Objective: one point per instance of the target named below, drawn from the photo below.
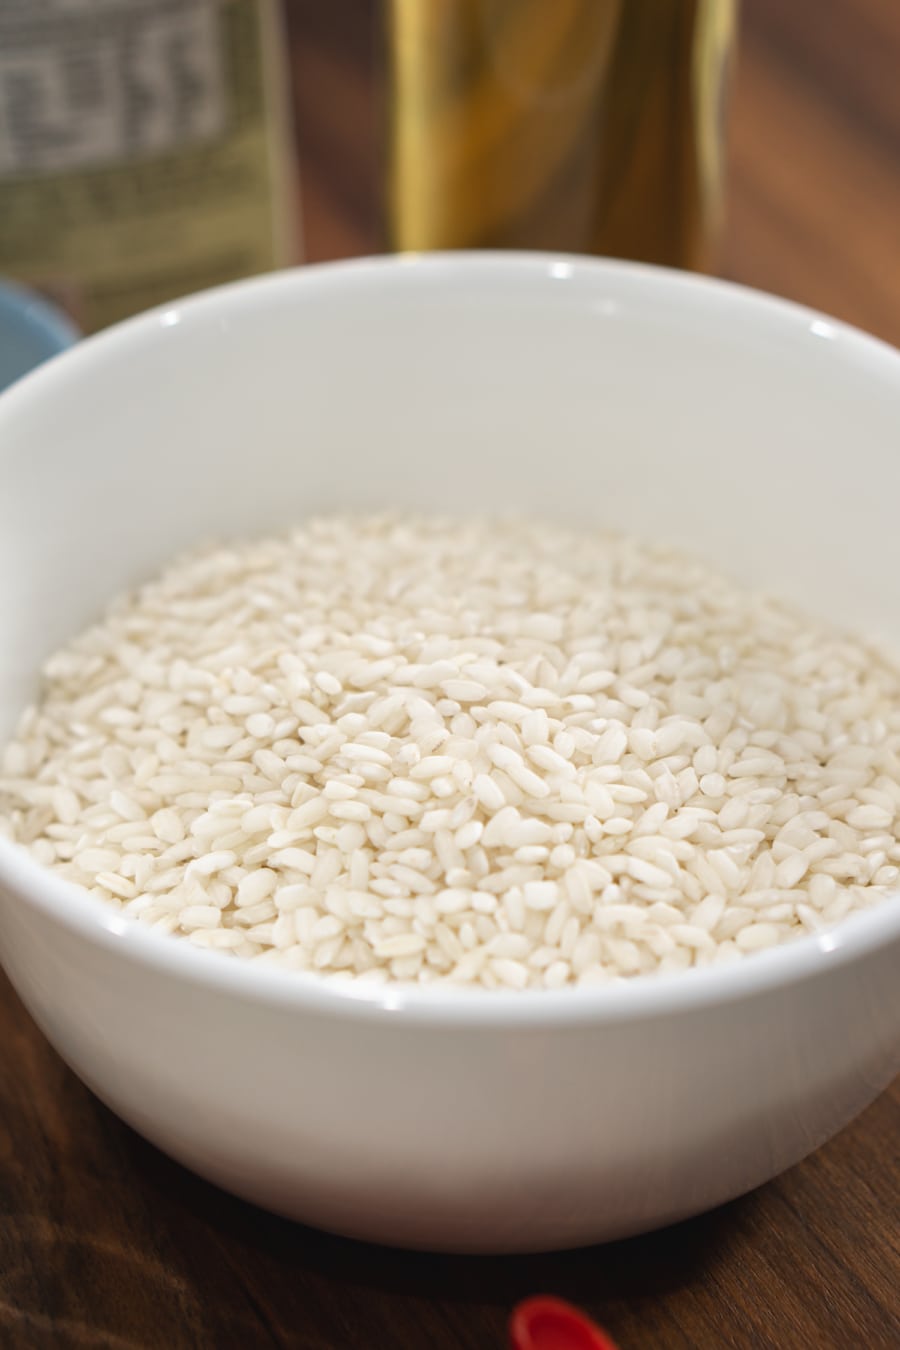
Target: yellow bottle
(582, 125)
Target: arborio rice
(488, 753)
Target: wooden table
(105, 1243)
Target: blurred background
(812, 164)
(149, 148)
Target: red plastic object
(551, 1324)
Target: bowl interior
(753, 432)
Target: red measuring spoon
(550, 1324)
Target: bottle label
(145, 149)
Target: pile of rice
(501, 754)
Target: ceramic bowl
(759, 434)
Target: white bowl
(756, 432)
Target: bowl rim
(626, 1000)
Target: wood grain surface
(105, 1243)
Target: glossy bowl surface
(755, 432)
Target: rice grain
(488, 753)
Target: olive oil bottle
(145, 149)
(584, 125)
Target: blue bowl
(31, 331)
